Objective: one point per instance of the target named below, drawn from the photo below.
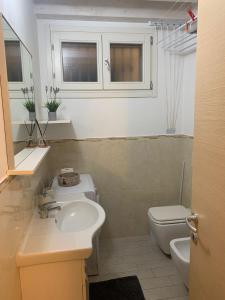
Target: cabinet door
(53, 281)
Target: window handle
(107, 63)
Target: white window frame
(116, 38)
(26, 62)
(47, 32)
(57, 39)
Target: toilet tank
(87, 187)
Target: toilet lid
(168, 213)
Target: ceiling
(122, 3)
(113, 10)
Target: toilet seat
(164, 215)
(167, 223)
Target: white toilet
(168, 223)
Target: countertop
(45, 243)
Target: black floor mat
(126, 288)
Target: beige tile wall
(17, 199)
(131, 175)
(187, 156)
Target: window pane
(79, 62)
(126, 62)
(13, 61)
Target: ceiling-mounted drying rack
(181, 40)
(177, 39)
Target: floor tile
(123, 267)
(144, 273)
(175, 279)
(165, 292)
(155, 282)
(178, 298)
(164, 270)
(140, 256)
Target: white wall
(101, 117)
(20, 15)
(111, 117)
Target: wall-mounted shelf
(31, 161)
(43, 122)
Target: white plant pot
(32, 116)
(52, 115)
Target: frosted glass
(126, 62)
(13, 61)
(79, 62)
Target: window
(126, 62)
(77, 60)
(13, 61)
(102, 61)
(19, 65)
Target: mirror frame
(5, 101)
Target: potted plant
(29, 103)
(52, 104)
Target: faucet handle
(46, 204)
(44, 209)
(48, 191)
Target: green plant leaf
(52, 105)
(29, 105)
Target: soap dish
(68, 179)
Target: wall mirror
(21, 93)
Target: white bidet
(180, 252)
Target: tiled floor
(140, 256)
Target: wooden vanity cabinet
(63, 280)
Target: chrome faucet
(46, 207)
(47, 192)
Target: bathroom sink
(68, 235)
(79, 215)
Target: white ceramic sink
(79, 215)
(68, 235)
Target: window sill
(43, 122)
(98, 94)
